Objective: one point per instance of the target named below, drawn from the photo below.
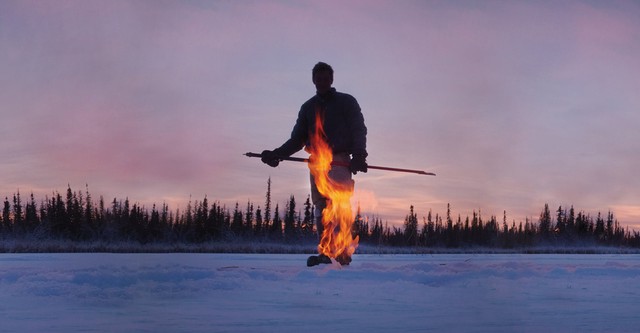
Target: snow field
(278, 293)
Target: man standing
(344, 129)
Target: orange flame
(337, 218)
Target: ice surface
(278, 293)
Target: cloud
(511, 104)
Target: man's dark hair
(322, 67)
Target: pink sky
(513, 104)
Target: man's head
(322, 77)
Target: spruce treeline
(564, 228)
(75, 216)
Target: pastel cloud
(512, 104)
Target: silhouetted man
(345, 132)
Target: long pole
(299, 159)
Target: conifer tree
(571, 219)
(545, 222)
(31, 215)
(610, 230)
(423, 234)
(88, 216)
(276, 226)
(289, 219)
(17, 211)
(248, 219)
(430, 235)
(236, 223)
(307, 221)
(377, 231)
(599, 228)
(411, 228)
(449, 231)
(6, 216)
(258, 225)
(561, 223)
(360, 226)
(267, 205)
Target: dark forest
(76, 217)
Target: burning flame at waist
(336, 186)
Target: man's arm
(291, 146)
(357, 129)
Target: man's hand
(270, 158)
(358, 163)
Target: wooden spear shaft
(306, 160)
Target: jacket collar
(327, 95)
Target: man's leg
(340, 174)
(343, 176)
(319, 202)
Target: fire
(337, 218)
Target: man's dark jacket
(343, 125)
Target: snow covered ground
(278, 293)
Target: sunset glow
(513, 104)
